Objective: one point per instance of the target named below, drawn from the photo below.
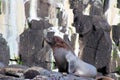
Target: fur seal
(67, 61)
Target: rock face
(94, 34)
(4, 52)
(95, 42)
(32, 49)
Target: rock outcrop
(94, 34)
(19, 72)
(32, 49)
(4, 52)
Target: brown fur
(59, 43)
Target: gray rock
(34, 71)
(41, 77)
(3, 77)
(27, 8)
(13, 71)
(39, 25)
(4, 51)
(95, 42)
(1, 65)
(32, 49)
(42, 8)
(72, 77)
(96, 8)
(83, 24)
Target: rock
(45, 10)
(3, 77)
(39, 25)
(116, 34)
(75, 43)
(31, 44)
(14, 70)
(40, 77)
(23, 67)
(2, 71)
(1, 65)
(105, 6)
(42, 8)
(104, 78)
(114, 76)
(72, 77)
(96, 8)
(59, 16)
(95, 42)
(27, 8)
(31, 74)
(56, 75)
(100, 22)
(67, 40)
(68, 77)
(34, 71)
(4, 51)
(81, 23)
(94, 34)
(32, 50)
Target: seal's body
(67, 61)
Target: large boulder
(32, 49)
(94, 33)
(4, 52)
(95, 42)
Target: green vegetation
(118, 69)
(116, 57)
(18, 60)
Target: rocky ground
(19, 72)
